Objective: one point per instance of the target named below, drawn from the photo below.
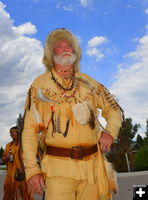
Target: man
(61, 115)
(14, 187)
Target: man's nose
(66, 49)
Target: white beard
(62, 60)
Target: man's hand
(105, 142)
(36, 184)
(6, 157)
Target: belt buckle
(77, 151)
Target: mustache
(64, 60)
(64, 53)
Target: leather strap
(77, 152)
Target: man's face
(62, 46)
(14, 135)
(64, 54)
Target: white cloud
(146, 10)
(64, 7)
(93, 47)
(67, 8)
(131, 86)
(95, 52)
(70, 6)
(20, 63)
(96, 41)
(79, 38)
(27, 28)
(85, 3)
(131, 6)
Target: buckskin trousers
(59, 188)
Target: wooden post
(127, 161)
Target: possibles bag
(19, 175)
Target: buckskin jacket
(12, 187)
(66, 118)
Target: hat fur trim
(55, 36)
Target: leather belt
(76, 152)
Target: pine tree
(139, 140)
(19, 122)
(146, 134)
(123, 145)
(141, 158)
(1, 152)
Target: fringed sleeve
(30, 137)
(111, 110)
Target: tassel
(41, 96)
(52, 120)
(36, 115)
(57, 125)
(112, 179)
(91, 120)
(81, 112)
(67, 127)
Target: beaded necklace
(61, 86)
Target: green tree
(123, 145)
(146, 134)
(141, 158)
(19, 122)
(139, 140)
(1, 152)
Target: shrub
(141, 159)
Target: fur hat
(14, 128)
(58, 35)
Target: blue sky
(119, 21)
(114, 41)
